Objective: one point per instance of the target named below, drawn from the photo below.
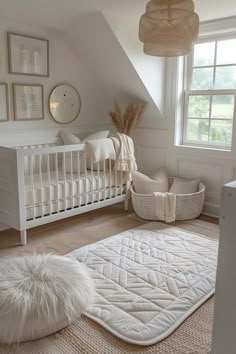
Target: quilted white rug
(149, 280)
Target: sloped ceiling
(99, 48)
(58, 14)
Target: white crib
(44, 183)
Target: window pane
(204, 54)
(222, 106)
(197, 129)
(225, 77)
(202, 79)
(226, 52)
(198, 106)
(221, 131)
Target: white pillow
(98, 135)
(69, 139)
(160, 174)
(145, 185)
(184, 186)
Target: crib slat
(92, 181)
(64, 178)
(104, 180)
(78, 175)
(31, 168)
(121, 182)
(49, 184)
(72, 179)
(98, 184)
(116, 183)
(41, 184)
(57, 180)
(86, 179)
(98, 178)
(110, 184)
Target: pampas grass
(125, 122)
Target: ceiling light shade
(168, 27)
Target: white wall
(122, 68)
(90, 57)
(106, 58)
(102, 57)
(156, 147)
(151, 134)
(150, 69)
(65, 67)
(215, 167)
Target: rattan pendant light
(168, 27)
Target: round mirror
(64, 104)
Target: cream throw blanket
(119, 148)
(124, 147)
(100, 150)
(165, 205)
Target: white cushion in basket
(161, 175)
(184, 186)
(40, 295)
(145, 185)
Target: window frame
(187, 92)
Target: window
(210, 95)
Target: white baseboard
(3, 227)
(210, 209)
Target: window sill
(208, 148)
(204, 153)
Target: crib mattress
(77, 191)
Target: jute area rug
(87, 337)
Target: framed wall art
(4, 103)
(28, 55)
(28, 102)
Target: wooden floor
(10, 238)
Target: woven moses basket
(188, 206)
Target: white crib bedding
(102, 185)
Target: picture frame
(28, 102)
(4, 102)
(28, 55)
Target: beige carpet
(86, 337)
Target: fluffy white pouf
(40, 295)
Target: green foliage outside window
(210, 115)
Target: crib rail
(35, 150)
(62, 179)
